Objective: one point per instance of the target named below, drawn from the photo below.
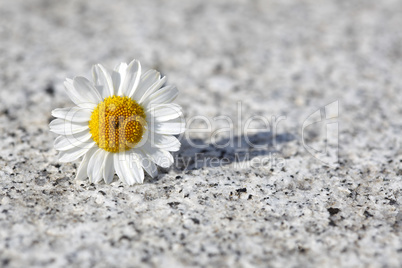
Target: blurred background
(272, 52)
(283, 58)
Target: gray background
(279, 58)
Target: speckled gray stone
(279, 58)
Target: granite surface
(224, 203)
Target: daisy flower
(123, 122)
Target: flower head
(123, 122)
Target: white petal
(147, 164)
(171, 127)
(129, 171)
(63, 127)
(137, 170)
(164, 95)
(152, 89)
(86, 91)
(146, 81)
(165, 112)
(102, 78)
(95, 166)
(82, 140)
(75, 114)
(108, 169)
(74, 153)
(117, 158)
(159, 156)
(166, 142)
(76, 96)
(118, 76)
(132, 79)
(121, 68)
(82, 169)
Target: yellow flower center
(117, 124)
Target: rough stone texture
(279, 58)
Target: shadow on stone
(196, 153)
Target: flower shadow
(197, 153)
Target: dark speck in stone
(174, 204)
(196, 221)
(302, 250)
(50, 90)
(367, 214)
(124, 237)
(5, 262)
(333, 211)
(392, 201)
